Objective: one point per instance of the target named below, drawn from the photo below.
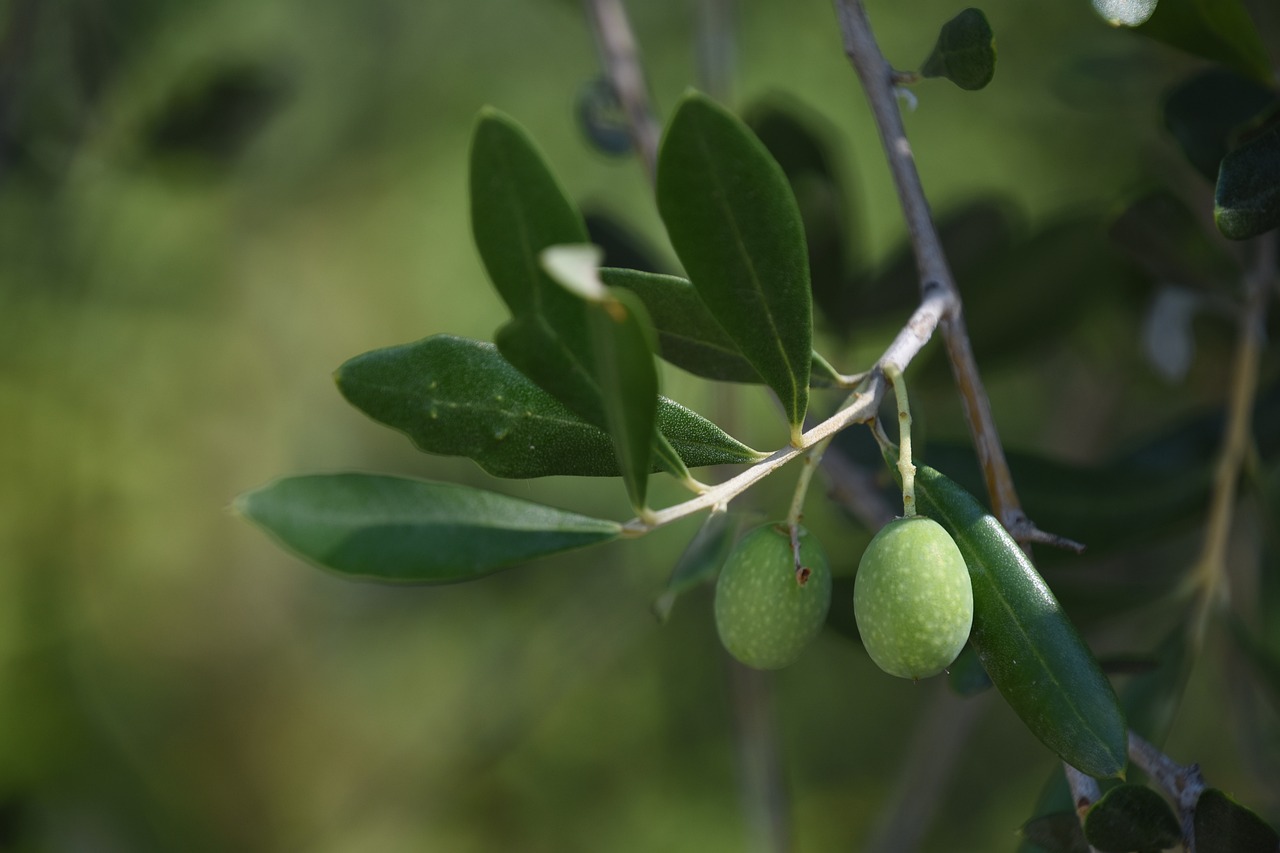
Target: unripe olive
(912, 598)
(766, 610)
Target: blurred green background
(205, 208)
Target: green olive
(912, 598)
(767, 610)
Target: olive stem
(905, 467)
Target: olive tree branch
(1208, 579)
(1183, 784)
(878, 81)
(620, 58)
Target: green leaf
(1246, 202)
(1218, 30)
(372, 527)
(1131, 817)
(459, 397)
(1224, 826)
(1056, 832)
(807, 147)
(735, 226)
(1150, 699)
(965, 676)
(688, 336)
(1025, 642)
(518, 208)
(1205, 112)
(700, 561)
(965, 52)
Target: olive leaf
(965, 52)
(373, 527)
(1132, 817)
(1246, 202)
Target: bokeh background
(205, 208)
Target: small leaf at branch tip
(576, 268)
(1125, 13)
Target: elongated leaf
(965, 52)
(1025, 642)
(1246, 202)
(621, 335)
(688, 336)
(1204, 112)
(700, 561)
(373, 527)
(1131, 817)
(734, 223)
(1055, 832)
(459, 397)
(1224, 826)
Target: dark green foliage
(1131, 817)
(965, 52)
(1218, 30)
(734, 223)
(392, 529)
(701, 559)
(1224, 826)
(1205, 112)
(460, 397)
(1025, 642)
(1247, 200)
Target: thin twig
(1209, 577)
(1085, 791)
(878, 81)
(1183, 784)
(861, 408)
(620, 58)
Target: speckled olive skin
(913, 599)
(764, 615)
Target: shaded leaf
(373, 527)
(1246, 202)
(688, 336)
(1218, 30)
(1264, 661)
(1224, 826)
(1150, 699)
(1025, 641)
(700, 561)
(1056, 832)
(459, 397)
(965, 52)
(1131, 817)
(623, 246)
(966, 676)
(734, 223)
(601, 118)
(804, 144)
(1166, 239)
(1205, 111)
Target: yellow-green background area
(169, 680)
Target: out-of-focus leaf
(601, 118)
(966, 676)
(688, 336)
(1164, 237)
(1264, 661)
(1150, 699)
(1246, 202)
(372, 527)
(1268, 604)
(965, 52)
(1205, 111)
(1056, 832)
(1224, 826)
(972, 235)
(803, 143)
(1026, 643)
(1131, 817)
(734, 223)
(1218, 30)
(459, 397)
(623, 247)
(1124, 13)
(1054, 826)
(701, 560)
